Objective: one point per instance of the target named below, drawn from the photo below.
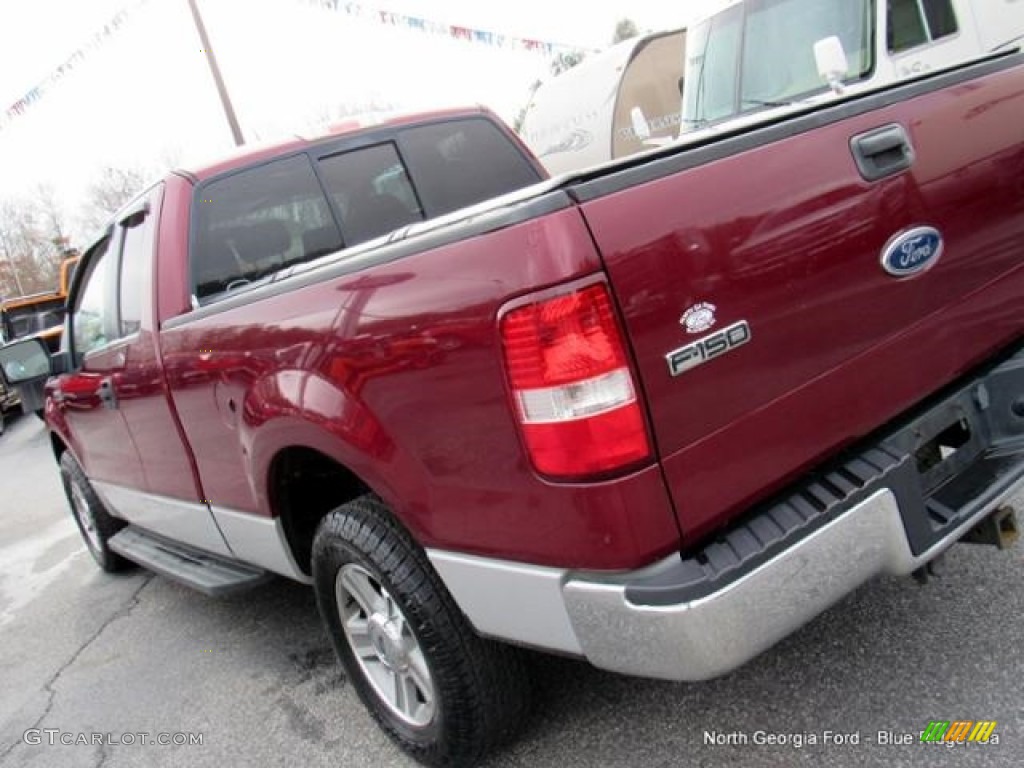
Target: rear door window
(254, 223)
(458, 163)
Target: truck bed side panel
(394, 370)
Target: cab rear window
(253, 223)
(257, 222)
(458, 163)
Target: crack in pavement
(48, 686)
(104, 755)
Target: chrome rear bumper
(715, 634)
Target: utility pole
(222, 91)
(8, 252)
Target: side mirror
(831, 61)
(25, 361)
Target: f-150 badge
(708, 348)
(913, 251)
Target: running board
(192, 567)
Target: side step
(194, 568)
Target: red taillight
(573, 390)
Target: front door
(85, 397)
(116, 403)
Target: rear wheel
(94, 522)
(443, 693)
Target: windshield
(760, 53)
(29, 321)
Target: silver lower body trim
(590, 615)
(510, 601)
(716, 634)
(259, 541)
(241, 536)
(186, 521)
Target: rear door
(767, 329)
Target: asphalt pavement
(113, 664)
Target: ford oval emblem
(912, 252)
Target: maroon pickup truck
(657, 415)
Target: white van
(614, 103)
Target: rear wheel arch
(303, 486)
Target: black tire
(480, 688)
(40, 414)
(94, 522)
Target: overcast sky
(144, 97)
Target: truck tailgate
(776, 227)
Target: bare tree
(624, 30)
(52, 215)
(10, 272)
(114, 187)
(31, 247)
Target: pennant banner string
(468, 34)
(355, 10)
(114, 25)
